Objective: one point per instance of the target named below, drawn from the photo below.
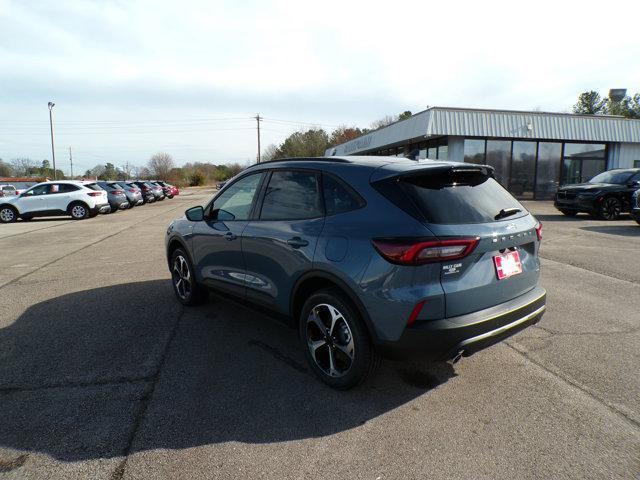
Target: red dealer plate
(508, 264)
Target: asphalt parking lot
(103, 375)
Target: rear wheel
(335, 340)
(8, 214)
(184, 283)
(78, 211)
(568, 213)
(610, 208)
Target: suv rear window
(93, 186)
(454, 196)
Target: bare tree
(383, 122)
(235, 168)
(269, 153)
(22, 166)
(160, 165)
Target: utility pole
(53, 150)
(71, 161)
(258, 120)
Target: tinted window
(63, 188)
(454, 197)
(235, 202)
(291, 195)
(93, 186)
(39, 190)
(338, 197)
(613, 176)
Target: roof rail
(304, 159)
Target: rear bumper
(104, 208)
(445, 339)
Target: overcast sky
(130, 78)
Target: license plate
(508, 264)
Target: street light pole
(53, 150)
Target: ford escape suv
(367, 257)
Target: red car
(169, 190)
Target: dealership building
(532, 152)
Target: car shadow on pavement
(110, 371)
(620, 230)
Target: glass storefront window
(499, 156)
(422, 153)
(584, 150)
(432, 153)
(523, 169)
(591, 168)
(583, 161)
(474, 151)
(547, 181)
(443, 152)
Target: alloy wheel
(330, 340)
(611, 208)
(182, 277)
(7, 215)
(78, 211)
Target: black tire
(568, 213)
(78, 211)
(8, 214)
(609, 209)
(329, 358)
(187, 291)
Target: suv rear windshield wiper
(506, 213)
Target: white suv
(77, 199)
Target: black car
(605, 196)
(146, 190)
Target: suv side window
(62, 188)
(292, 195)
(38, 190)
(339, 197)
(235, 202)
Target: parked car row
(79, 199)
(605, 196)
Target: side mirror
(195, 214)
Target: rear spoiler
(416, 169)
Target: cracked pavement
(103, 375)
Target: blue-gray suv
(367, 257)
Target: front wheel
(335, 340)
(610, 208)
(187, 291)
(8, 215)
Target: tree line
(160, 166)
(313, 142)
(591, 103)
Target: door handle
(297, 242)
(229, 236)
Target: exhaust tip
(456, 358)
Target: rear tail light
(145, 189)
(418, 252)
(539, 231)
(118, 192)
(132, 190)
(94, 194)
